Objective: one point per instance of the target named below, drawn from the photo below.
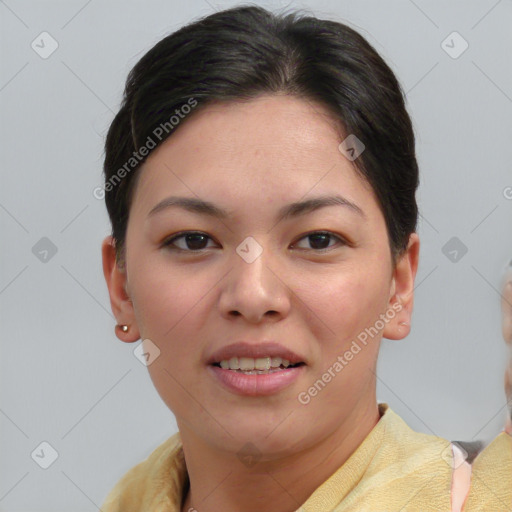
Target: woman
(260, 180)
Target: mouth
(257, 366)
(256, 377)
(256, 369)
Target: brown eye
(192, 241)
(319, 240)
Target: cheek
(345, 302)
(164, 294)
(170, 305)
(349, 306)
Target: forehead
(272, 122)
(271, 148)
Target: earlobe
(120, 302)
(402, 291)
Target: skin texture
(251, 158)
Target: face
(310, 281)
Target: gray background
(67, 380)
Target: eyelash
(168, 242)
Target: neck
(281, 485)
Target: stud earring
(124, 328)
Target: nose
(255, 290)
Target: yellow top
(491, 482)
(394, 469)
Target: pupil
(325, 238)
(194, 241)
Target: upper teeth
(249, 363)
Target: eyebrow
(296, 209)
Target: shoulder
(409, 470)
(418, 448)
(157, 479)
(491, 482)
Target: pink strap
(461, 479)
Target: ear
(120, 301)
(401, 296)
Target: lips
(256, 382)
(244, 349)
